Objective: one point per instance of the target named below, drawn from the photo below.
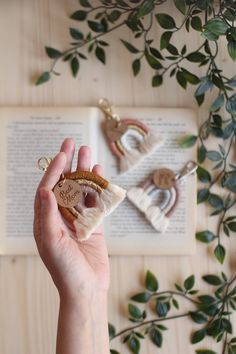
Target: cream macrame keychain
(70, 192)
(164, 183)
(119, 131)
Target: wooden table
(28, 299)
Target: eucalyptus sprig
(213, 20)
(211, 312)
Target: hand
(76, 268)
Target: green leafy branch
(212, 312)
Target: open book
(29, 133)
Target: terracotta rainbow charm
(163, 187)
(106, 196)
(129, 139)
(71, 192)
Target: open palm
(75, 267)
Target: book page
(26, 135)
(127, 230)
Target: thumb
(48, 211)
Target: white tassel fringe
(157, 218)
(90, 218)
(139, 198)
(134, 156)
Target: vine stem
(147, 322)
(81, 44)
(178, 294)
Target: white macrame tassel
(157, 218)
(139, 198)
(90, 218)
(150, 143)
(135, 156)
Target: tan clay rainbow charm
(118, 132)
(71, 191)
(163, 182)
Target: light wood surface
(28, 299)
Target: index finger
(54, 171)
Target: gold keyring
(43, 163)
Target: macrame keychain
(70, 192)
(119, 131)
(164, 184)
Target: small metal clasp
(43, 163)
(105, 106)
(188, 169)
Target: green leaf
(151, 282)
(226, 324)
(157, 80)
(232, 49)
(202, 195)
(196, 23)
(178, 287)
(156, 337)
(198, 336)
(114, 15)
(230, 181)
(79, 15)
(100, 54)
(156, 53)
(205, 351)
(165, 21)
(204, 86)
(152, 61)
(215, 201)
(145, 8)
(220, 253)
(214, 155)
(76, 34)
(53, 53)
(189, 282)
(206, 299)
(181, 6)
(232, 226)
(201, 153)
(134, 311)
(74, 66)
(141, 297)
(96, 26)
(136, 66)
(188, 141)
(205, 236)
(113, 351)
(198, 317)
(129, 46)
(216, 26)
(85, 3)
(111, 330)
(134, 345)
(218, 103)
(231, 104)
(196, 57)
(191, 78)
(162, 308)
(165, 39)
(43, 78)
(210, 36)
(172, 49)
(203, 175)
(212, 279)
(181, 79)
(175, 303)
